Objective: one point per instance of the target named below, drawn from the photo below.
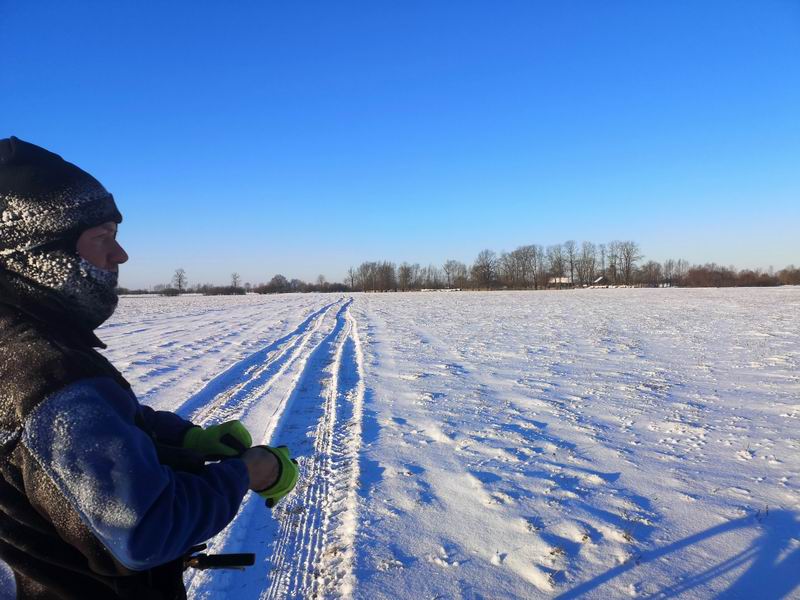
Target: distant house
(601, 281)
(559, 281)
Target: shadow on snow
(772, 561)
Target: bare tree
(235, 280)
(507, 269)
(668, 271)
(613, 256)
(278, 284)
(651, 274)
(601, 251)
(459, 274)
(484, 269)
(417, 277)
(377, 276)
(789, 275)
(629, 254)
(461, 277)
(681, 270)
(555, 261)
(587, 263)
(539, 259)
(385, 276)
(450, 268)
(571, 251)
(516, 267)
(404, 276)
(351, 277)
(321, 282)
(366, 276)
(179, 280)
(525, 261)
(433, 277)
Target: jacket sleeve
(85, 440)
(168, 427)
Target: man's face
(99, 246)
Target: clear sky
(305, 137)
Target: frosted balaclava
(45, 205)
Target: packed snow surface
(587, 443)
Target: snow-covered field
(589, 443)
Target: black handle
(221, 561)
(216, 561)
(234, 443)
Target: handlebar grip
(234, 443)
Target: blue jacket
(85, 439)
(93, 503)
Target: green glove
(218, 441)
(287, 476)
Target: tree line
(529, 267)
(559, 266)
(179, 284)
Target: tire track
(231, 394)
(313, 554)
(280, 371)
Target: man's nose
(119, 255)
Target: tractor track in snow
(233, 392)
(313, 553)
(305, 549)
(270, 376)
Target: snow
(599, 443)
(7, 587)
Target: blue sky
(305, 137)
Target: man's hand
(273, 473)
(218, 441)
(262, 466)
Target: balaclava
(45, 205)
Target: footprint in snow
(412, 376)
(389, 564)
(533, 524)
(500, 498)
(425, 494)
(445, 557)
(412, 469)
(426, 397)
(453, 368)
(485, 477)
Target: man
(100, 497)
